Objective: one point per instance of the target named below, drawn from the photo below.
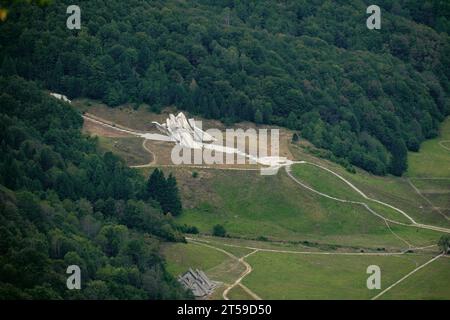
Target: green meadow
(250, 205)
(433, 160)
(431, 283)
(300, 276)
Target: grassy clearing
(239, 245)
(236, 251)
(297, 276)
(180, 257)
(430, 283)
(331, 185)
(430, 185)
(432, 160)
(392, 190)
(140, 118)
(437, 191)
(325, 182)
(217, 265)
(128, 148)
(250, 205)
(238, 293)
(417, 237)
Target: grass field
(331, 185)
(237, 293)
(297, 276)
(217, 265)
(433, 160)
(128, 148)
(310, 276)
(431, 283)
(250, 205)
(393, 190)
(290, 217)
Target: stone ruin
(198, 282)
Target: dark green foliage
(444, 243)
(188, 229)
(219, 231)
(312, 66)
(172, 199)
(165, 191)
(62, 203)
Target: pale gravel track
(413, 222)
(248, 268)
(288, 170)
(105, 124)
(426, 199)
(326, 253)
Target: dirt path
(314, 252)
(413, 222)
(426, 199)
(248, 268)
(288, 170)
(407, 276)
(133, 132)
(106, 124)
(151, 163)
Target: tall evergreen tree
(172, 202)
(165, 191)
(156, 185)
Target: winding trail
(413, 222)
(151, 163)
(248, 268)
(288, 170)
(426, 199)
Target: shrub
(219, 231)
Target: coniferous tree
(172, 198)
(156, 185)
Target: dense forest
(311, 65)
(368, 96)
(63, 203)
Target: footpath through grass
(300, 276)
(430, 283)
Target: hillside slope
(367, 95)
(62, 204)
